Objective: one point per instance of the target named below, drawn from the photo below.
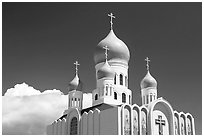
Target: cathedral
(112, 111)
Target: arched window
(75, 102)
(123, 97)
(115, 79)
(129, 99)
(121, 79)
(147, 99)
(111, 88)
(150, 97)
(72, 102)
(126, 81)
(96, 97)
(106, 90)
(115, 95)
(73, 126)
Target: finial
(147, 65)
(106, 51)
(76, 66)
(111, 19)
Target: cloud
(22, 90)
(28, 111)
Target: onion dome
(75, 84)
(105, 71)
(117, 49)
(148, 81)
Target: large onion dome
(118, 51)
(105, 71)
(148, 81)
(75, 84)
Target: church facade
(112, 111)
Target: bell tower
(75, 95)
(148, 86)
(117, 60)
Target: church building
(112, 111)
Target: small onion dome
(117, 49)
(75, 84)
(105, 71)
(148, 81)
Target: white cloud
(28, 111)
(22, 90)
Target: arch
(115, 79)
(84, 124)
(106, 91)
(96, 120)
(79, 102)
(59, 127)
(110, 90)
(190, 124)
(123, 98)
(74, 126)
(129, 99)
(72, 102)
(55, 127)
(64, 126)
(72, 112)
(90, 123)
(176, 123)
(144, 121)
(165, 108)
(96, 97)
(151, 97)
(135, 120)
(115, 95)
(126, 119)
(126, 81)
(121, 79)
(75, 102)
(182, 123)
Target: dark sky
(41, 41)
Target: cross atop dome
(111, 19)
(106, 51)
(147, 61)
(76, 66)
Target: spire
(111, 19)
(106, 52)
(76, 66)
(147, 61)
